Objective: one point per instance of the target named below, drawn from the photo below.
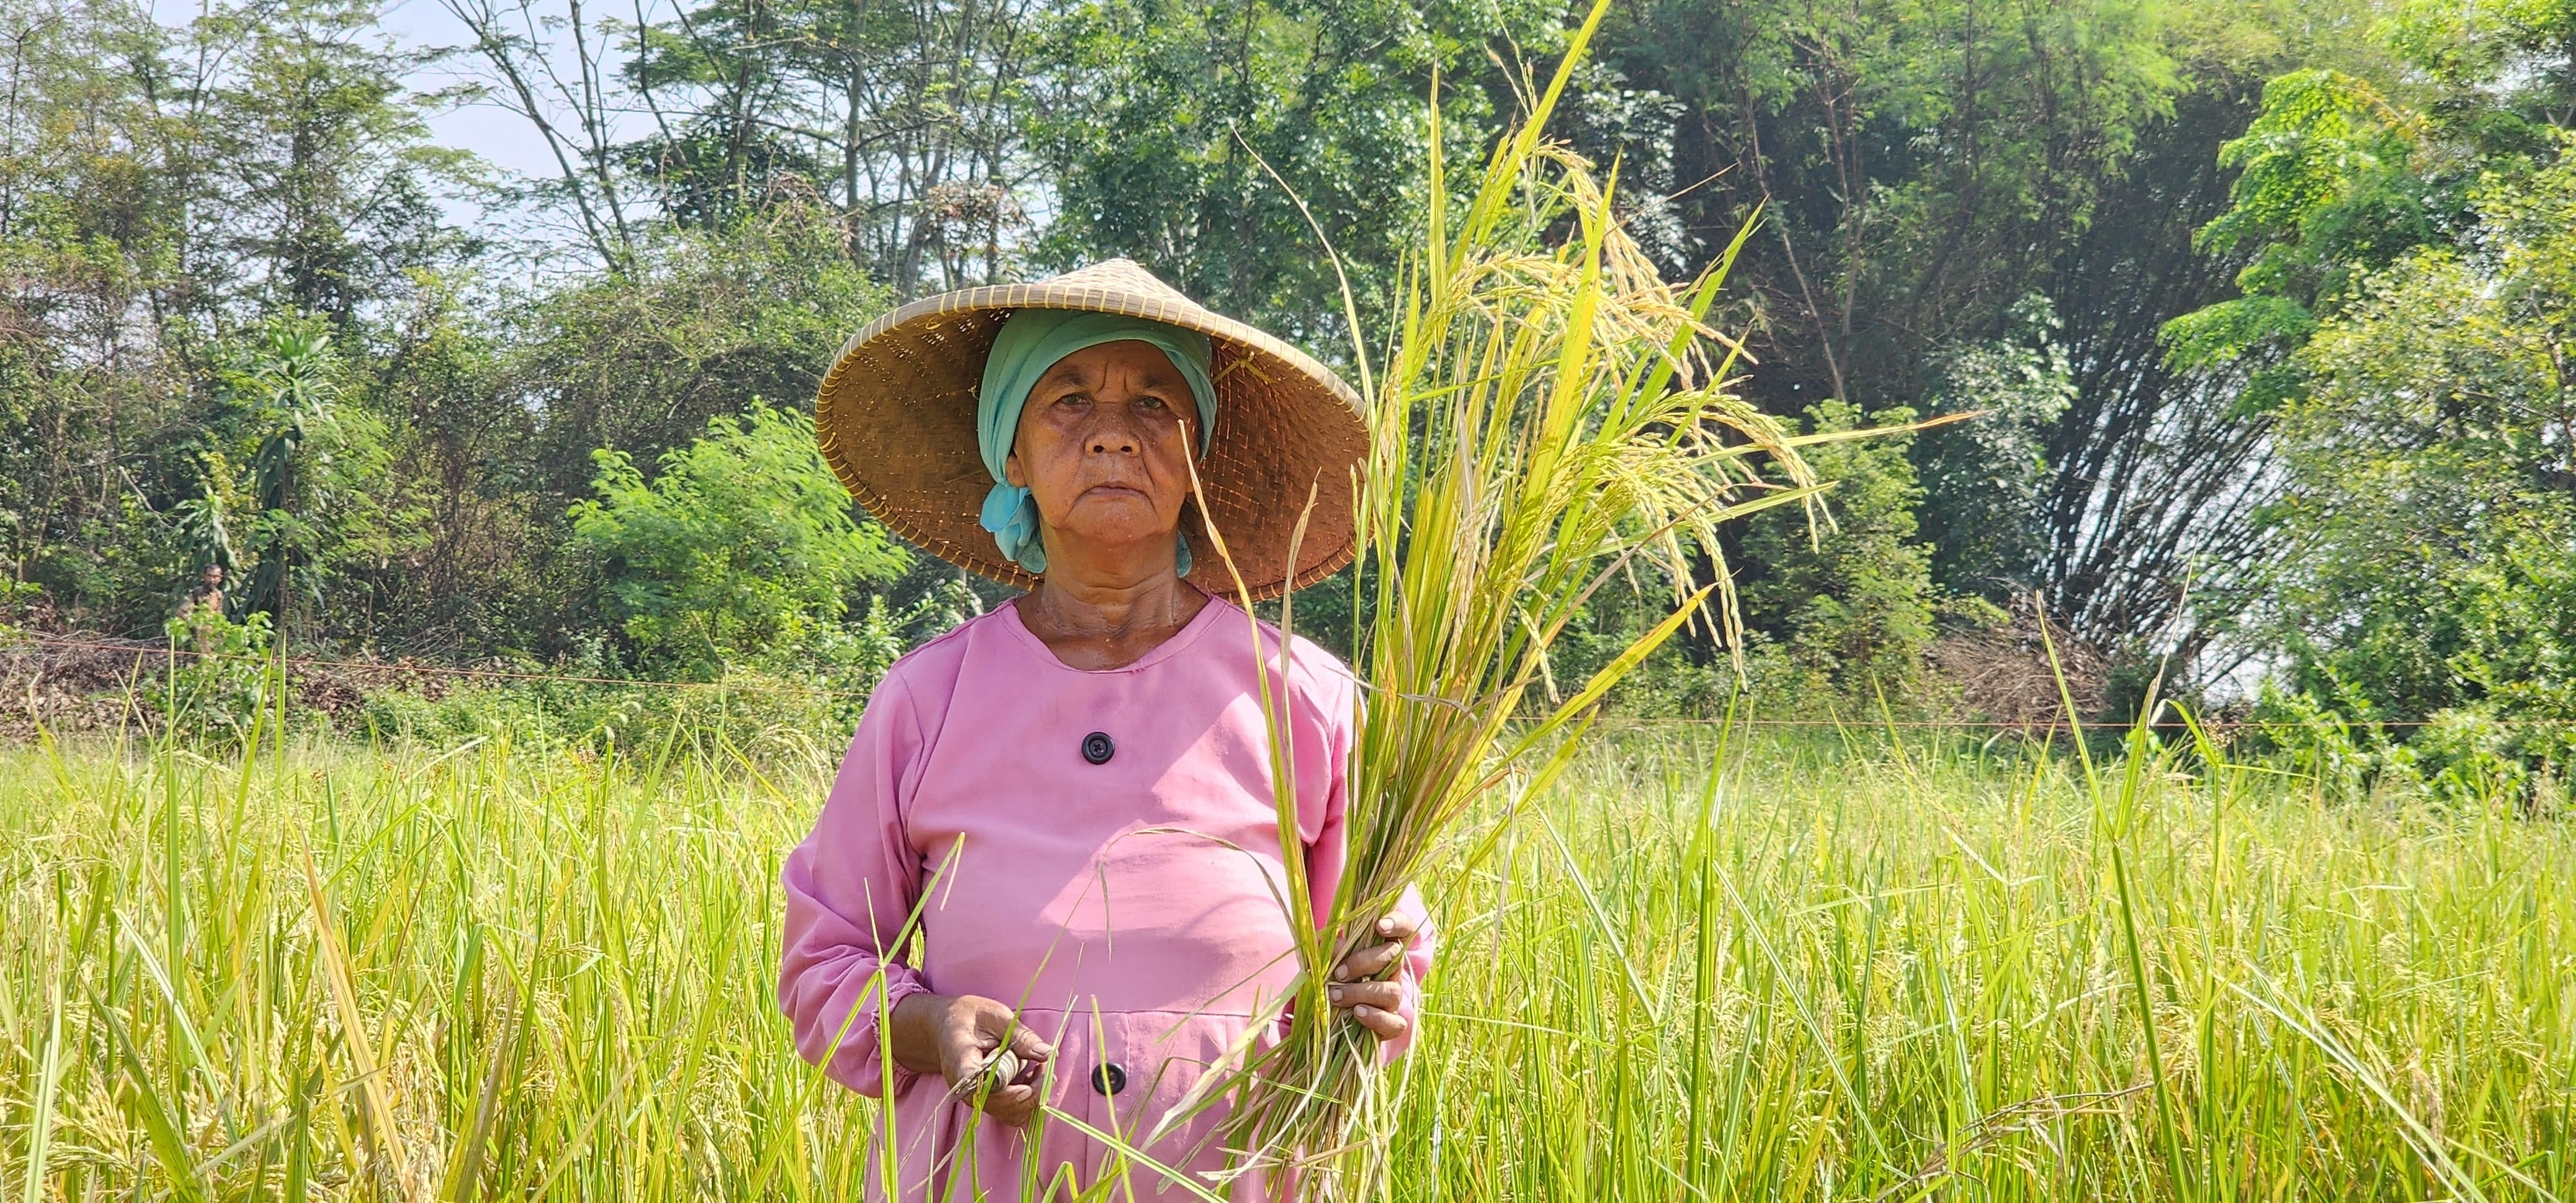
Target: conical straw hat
(897, 420)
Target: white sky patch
(500, 136)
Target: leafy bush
(743, 548)
(1845, 605)
(220, 691)
(1982, 478)
(2437, 583)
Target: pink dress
(1099, 851)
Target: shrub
(1846, 604)
(743, 549)
(222, 689)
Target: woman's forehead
(1091, 364)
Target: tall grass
(1909, 974)
(1833, 971)
(506, 974)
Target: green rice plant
(1872, 971)
(323, 972)
(1721, 968)
(1779, 968)
(1549, 414)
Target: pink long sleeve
(851, 889)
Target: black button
(1109, 1078)
(1097, 749)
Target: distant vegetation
(2267, 306)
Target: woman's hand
(955, 1035)
(1372, 1004)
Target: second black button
(1097, 749)
(1109, 1078)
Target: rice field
(1815, 968)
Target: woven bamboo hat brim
(897, 420)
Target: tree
(293, 399)
(2151, 547)
(1982, 478)
(518, 45)
(907, 118)
(1918, 168)
(462, 565)
(2435, 460)
(696, 325)
(1847, 602)
(327, 167)
(2384, 199)
(2341, 175)
(1924, 169)
(1164, 121)
(165, 193)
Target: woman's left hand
(1373, 1004)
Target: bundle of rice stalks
(1550, 418)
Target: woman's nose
(1114, 435)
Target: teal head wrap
(1030, 343)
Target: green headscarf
(1030, 343)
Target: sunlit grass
(582, 952)
(1845, 972)
(1900, 975)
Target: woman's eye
(1150, 401)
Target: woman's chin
(1118, 536)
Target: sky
(499, 136)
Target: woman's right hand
(955, 1035)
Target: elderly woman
(1068, 801)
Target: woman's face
(1104, 446)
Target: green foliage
(712, 172)
(298, 500)
(2432, 495)
(496, 414)
(1922, 170)
(2328, 189)
(2408, 290)
(1920, 162)
(1167, 111)
(1984, 479)
(217, 689)
(238, 326)
(742, 546)
(1844, 607)
(906, 122)
(699, 324)
(322, 153)
(2340, 176)
(170, 198)
(2505, 72)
